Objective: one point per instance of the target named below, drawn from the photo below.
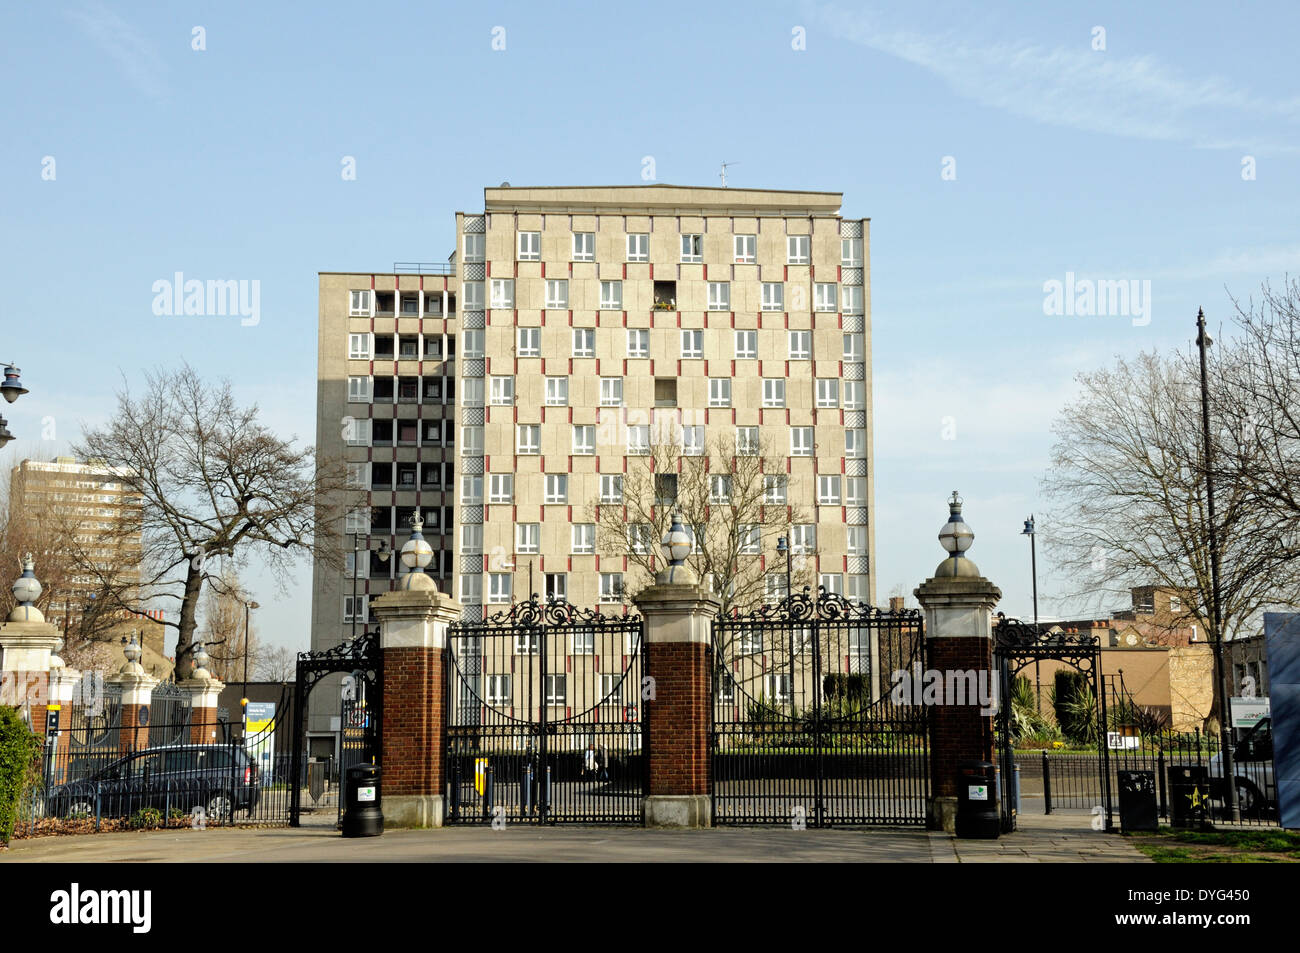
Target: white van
(1252, 761)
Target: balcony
(665, 296)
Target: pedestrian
(604, 763)
(589, 761)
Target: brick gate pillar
(203, 690)
(27, 645)
(679, 616)
(958, 604)
(413, 623)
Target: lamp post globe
(12, 387)
(416, 551)
(27, 588)
(955, 536)
(676, 545)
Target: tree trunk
(189, 610)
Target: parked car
(1252, 761)
(221, 779)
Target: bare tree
(1128, 490)
(215, 483)
(223, 627)
(277, 664)
(734, 504)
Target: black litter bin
(977, 800)
(1189, 792)
(361, 814)
(1137, 801)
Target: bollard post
(1047, 784)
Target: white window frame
(692, 248)
(720, 488)
(611, 392)
(611, 488)
(556, 488)
(800, 343)
(693, 440)
(471, 392)
(749, 539)
(471, 441)
(362, 603)
(803, 538)
(775, 488)
(359, 348)
(530, 246)
(357, 433)
(851, 299)
(474, 295)
(503, 293)
(471, 589)
(360, 302)
(638, 342)
(828, 490)
(773, 296)
(584, 440)
(557, 392)
(471, 343)
(855, 540)
(556, 689)
(855, 442)
(475, 247)
(773, 391)
(502, 391)
(584, 246)
(497, 689)
(528, 538)
(638, 440)
(360, 390)
(801, 442)
(528, 439)
(557, 294)
(692, 344)
(824, 296)
(832, 582)
(471, 489)
(747, 345)
(798, 249)
(853, 395)
(584, 342)
(853, 348)
(855, 491)
(851, 252)
(748, 441)
(828, 392)
(501, 488)
(719, 295)
(611, 295)
(611, 587)
(719, 391)
(471, 535)
(582, 539)
(529, 342)
(745, 248)
(638, 246)
(500, 588)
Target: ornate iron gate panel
(360, 707)
(544, 718)
(1016, 645)
(806, 727)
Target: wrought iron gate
(1016, 645)
(544, 719)
(806, 729)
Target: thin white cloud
(1076, 87)
(135, 56)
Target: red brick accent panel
(958, 732)
(414, 728)
(133, 736)
(203, 722)
(677, 743)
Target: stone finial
(27, 589)
(132, 665)
(415, 555)
(956, 538)
(57, 663)
(676, 546)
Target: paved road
(1065, 839)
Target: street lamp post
(243, 696)
(1203, 342)
(12, 388)
(1033, 564)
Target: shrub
(146, 817)
(20, 751)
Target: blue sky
(1122, 163)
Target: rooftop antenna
(724, 172)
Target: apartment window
(801, 441)
(692, 344)
(358, 390)
(774, 584)
(719, 489)
(719, 392)
(356, 521)
(855, 442)
(530, 246)
(638, 247)
(611, 488)
(472, 343)
(360, 608)
(356, 433)
(556, 689)
(557, 488)
(855, 588)
(746, 246)
(832, 582)
(499, 588)
(358, 474)
(803, 538)
(503, 292)
(640, 538)
(746, 345)
(823, 296)
(692, 248)
(851, 252)
(584, 342)
(828, 490)
(528, 537)
(529, 439)
(555, 586)
(557, 391)
(611, 689)
(502, 391)
(777, 688)
(474, 246)
(498, 689)
(611, 587)
(501, 487)
(473, 291)
(719, 296)
(853, 391)
(471, 590)
(750, 539)
(530, 342)
(797, 249)
(584, 641)
(773, 296)
(359, 306)
(471, 490)
(853, 348)
(747, 441)
(828, 392)
(471, 392)
(665, 485)
(584, 246)
(800, 345)
(856, 540)
(665, 392)
(855, 491)
(774, 488)
(584, 538)
(471, 442)
(611, 295)
(359, 347)
(851, 300)
(774, 392)
(611, 392)
(557, 293)
(693, 440)
(638, 342)
(638, 440)
(471, 534)
(584, 439)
